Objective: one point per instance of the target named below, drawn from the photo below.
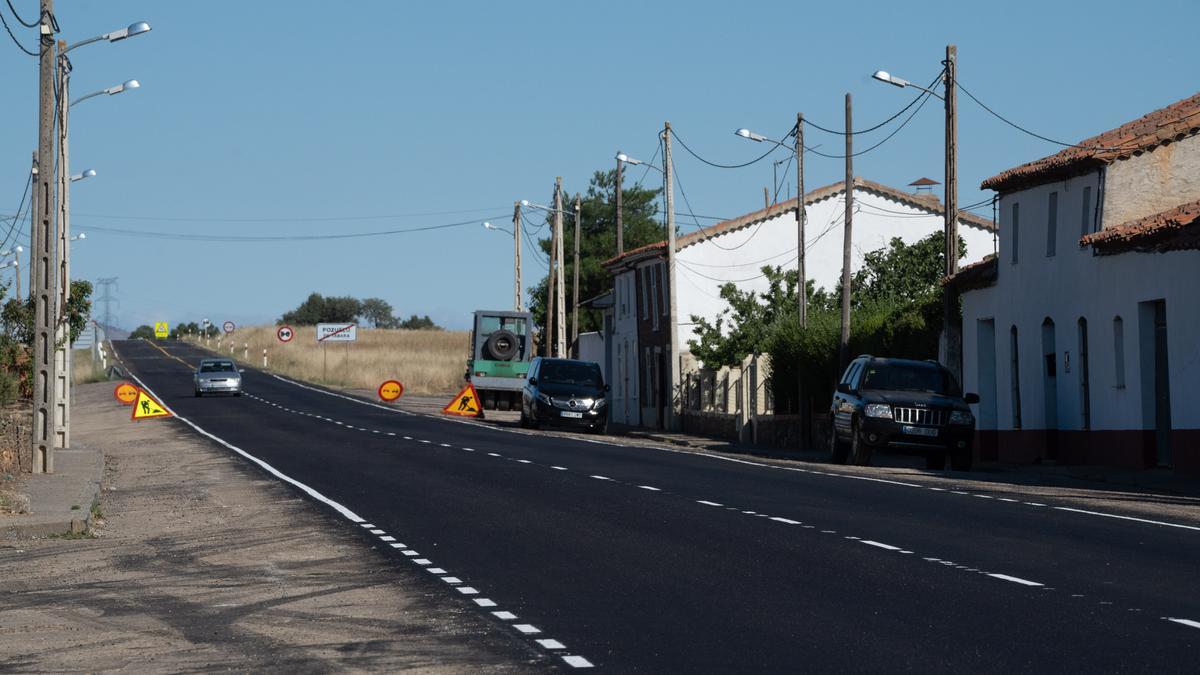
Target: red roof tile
(1176, 229)
(1165, 125)
(976, 275)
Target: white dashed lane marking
(650, 488)
(484, 602)
(506, 616)
(707, 503)
(577, 662)
(886, 547)
(527, 628)
(1015, 580)
(1185, 622)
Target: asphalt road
(651, 560)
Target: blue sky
(343, 113)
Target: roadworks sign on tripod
(465, 403)
(145, 407)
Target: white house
(1082, 336)
(735, 251)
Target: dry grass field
(424, 361)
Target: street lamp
(62, 353)
(80, 176)
(79, 237)
(950, 317)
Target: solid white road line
(785, 521)
(1017, 580)
(1140, 520)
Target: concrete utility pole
(560, 291)
(673, 421)
(33, 210)
(575, 284)
(62, 334)
(41, 256)
(550, 280)
(801, 279)
(620, 216)
(950, 318)
(517, 254)
(844, 344)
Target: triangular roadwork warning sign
(465, 403)
(145, 407)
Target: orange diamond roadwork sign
(390, 391)
(125, 393)
(145, 407)
(465, 403)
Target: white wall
(1075, 283)
(704, 267)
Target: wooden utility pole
(801, 279)
(766, 198)
(950, 317)
(844, 344)
(620, 216)
(560, 291)
(575, 284)
(550, 315)
(672, 421)
(517, 255)
(45, 277)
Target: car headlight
(600, 403)
(882, 410)
(544, 398)
(961, 417)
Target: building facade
(1082, 335)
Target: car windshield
(571, 372)
(217, 367)
(897, 377)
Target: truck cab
(502, 347)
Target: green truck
(501, 348)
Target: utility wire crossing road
(645, 559)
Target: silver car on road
(218, 376)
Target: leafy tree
(415, 322)
(318, 309)
(379, 312)
(597, 239)
(143, 331)
(79, 307)
(192, 328)
(742, 328)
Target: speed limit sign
(285, 333)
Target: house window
(1016, 231)
(652, 272)
(1085, 221)
(1119, 352)
(662, 284)
(1052, 225)
(1085, 398)
(645, 292)
(1015, 367)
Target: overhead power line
(23, 22)
(718, 165)
(14, 37)
(923, 98)
(882, 124)
(279, 238)
(285, 219)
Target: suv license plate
(572, 415)
(919, 431)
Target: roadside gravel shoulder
(197, 561)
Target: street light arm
(887, 78)
(111, 91)
(114, 36)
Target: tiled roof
(1176, 229)
(926, 202)
(1165, 125)
(976, 275)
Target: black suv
(566, 392)
(900, 403)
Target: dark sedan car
(565, 392)
(904, 404)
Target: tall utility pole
(620, 216)
(950, 318)
(106, 297)
(560, 300)
(517, 255)
(844, 344)
(62, 337)
(42, 257)
(801, 278)
(672, 358)
(550, 281)
(575, 284)
(33, 210)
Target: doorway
(1156, 380)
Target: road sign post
(335, 332)
(390, 391)
(285, 333)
